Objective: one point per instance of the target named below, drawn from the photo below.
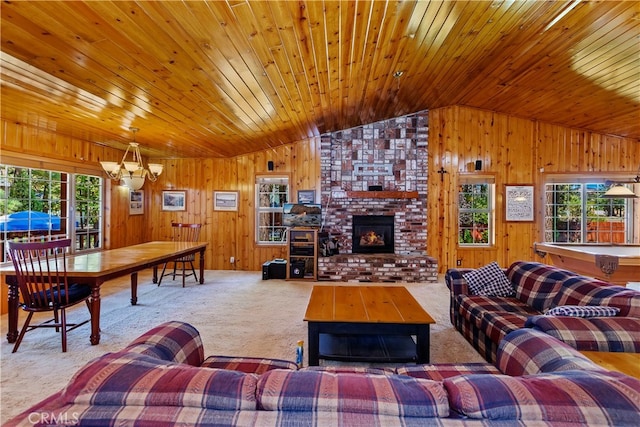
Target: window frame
(587, 184)
(272, 210)
(490, 210)
(68, 204)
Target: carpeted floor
(237, 313)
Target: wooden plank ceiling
(224, 78)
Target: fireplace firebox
(373, 234)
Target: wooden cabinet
(303, 253)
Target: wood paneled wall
(514, 151)
(230, 234)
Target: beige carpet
(236, 313)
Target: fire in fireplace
(372, 234)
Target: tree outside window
(578, 213)
(34, 205)
(475, 207)
(271, 195)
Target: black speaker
(265, 270)
(297, 270)
(270, 165)
(478, 165)
(278, 269)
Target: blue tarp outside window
(29, 221)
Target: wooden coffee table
(366, 323)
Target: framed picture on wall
(518, 202)
(174, 200)
(136, 202)
(225, 200)
(306, 196)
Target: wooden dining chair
(41, 273)
(183, 233)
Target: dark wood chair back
(41, 273)
(184, 232)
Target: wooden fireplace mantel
(382, 194)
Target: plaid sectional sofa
(162, 379)
(485, 320)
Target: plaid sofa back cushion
(585, 398)
(529, 352)
(581, 290)
(129, 379)
(627, 300)
(322, 391)
(536, 284)
(173, 341)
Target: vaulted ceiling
(224, 78)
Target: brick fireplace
(390, 156)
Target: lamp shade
(619, 191)
(133, 182)
(132, 173)
(110, 167)
(155, 168)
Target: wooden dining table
(95, 268)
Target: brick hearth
(391, 154)
(378, 268)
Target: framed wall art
(174, 200)
(225, 200)
(306, 196)
(136, 202)
(518, 202)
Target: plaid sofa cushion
(583, 311)
(474, 307)
(455, 281)
(497, 325)
(318, 391)
(172, 341)
(249, 365)
(347, 419)
(593, 334)
(588, 398)
(138, 416)
(129, 379)
(529, 352)
(440, 371)
(489, 280)
(536, 284)
(581, 290)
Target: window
(88, 211)
(271, 195)
(475, 211)
(577, 212)
(35, 204)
